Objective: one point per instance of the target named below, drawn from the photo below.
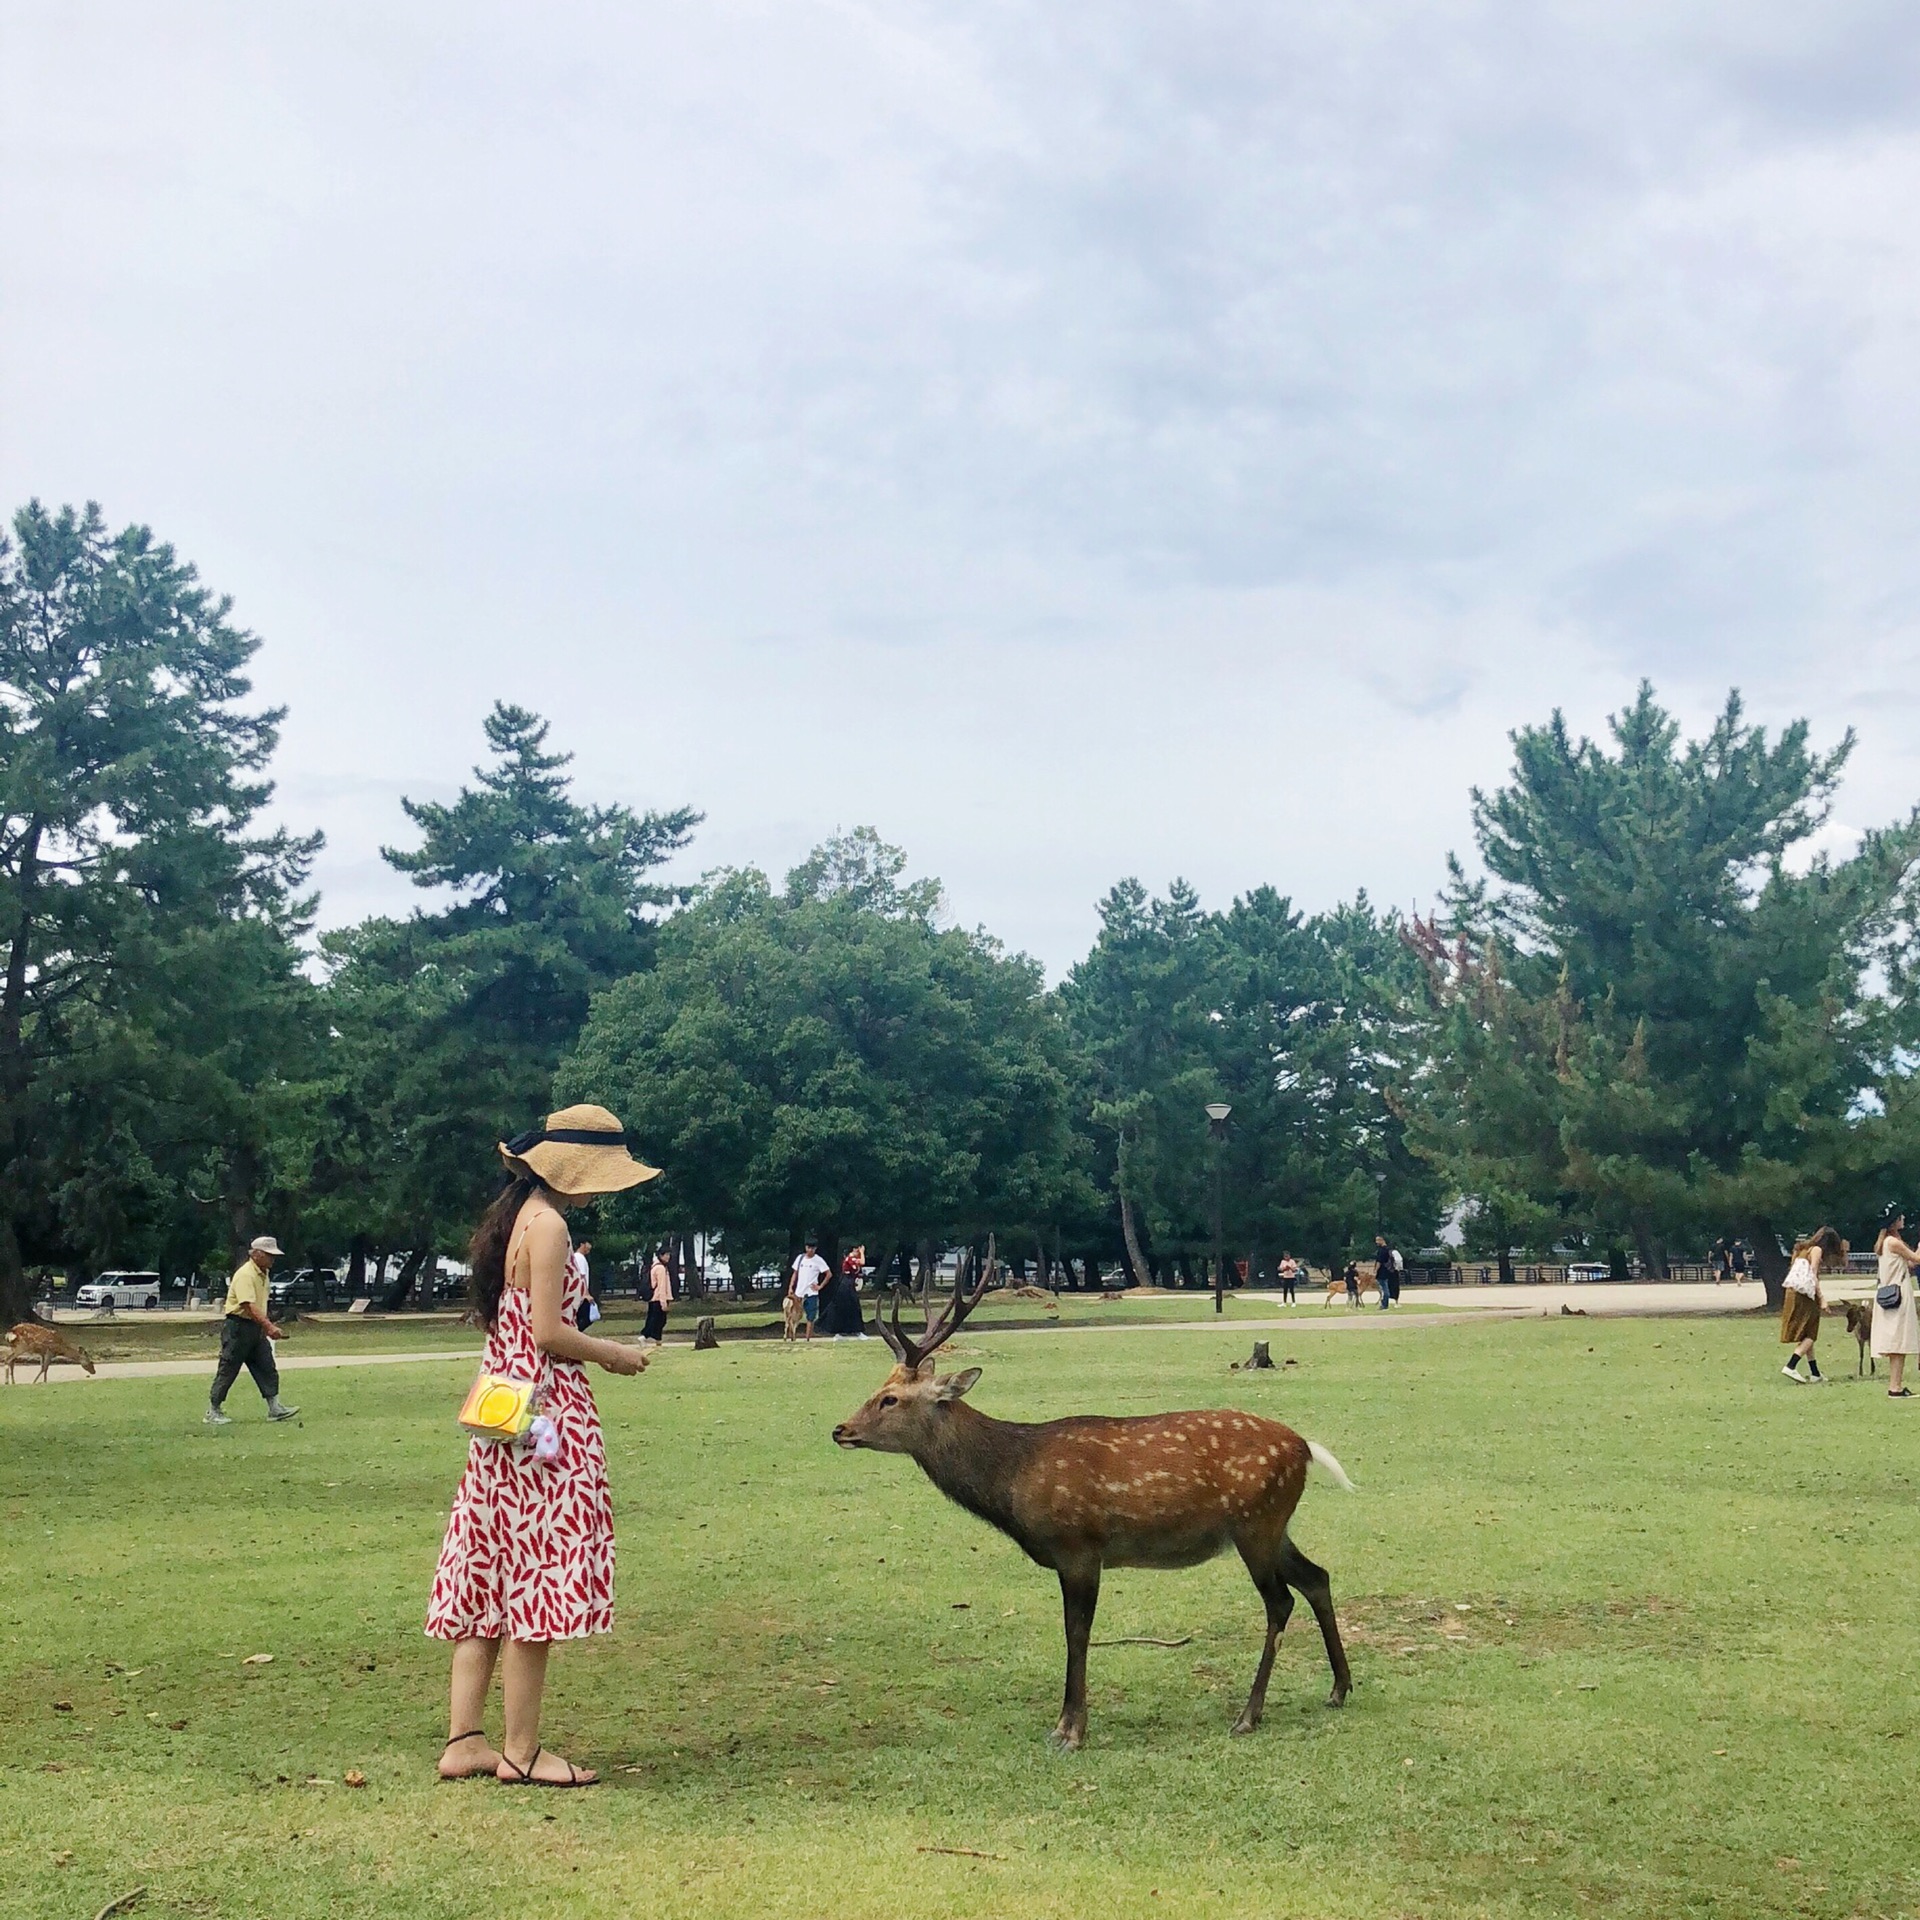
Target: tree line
(1663, 1008)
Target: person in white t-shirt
(588, 1310)
(804, 1283)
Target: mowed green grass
(1632, 1623)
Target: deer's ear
(956, 1384)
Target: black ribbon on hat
(522, 1143)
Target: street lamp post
(1217, 1112)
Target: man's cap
(266, 1243)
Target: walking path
(287, 1363)
(1465, 1306)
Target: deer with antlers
(1090, 1492)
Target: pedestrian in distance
(1383, 1270)
(1800, 1310)
(1289, 1279)
(1896, 1328)
(1352, 1278)
(247, 1334)
(580, 1262)
(1722, 1260)
(805, 1281)
(659, 1295)
(529, 1550)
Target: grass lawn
(1632, 1625)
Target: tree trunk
(1142, 1274)
(1653, 1262)
(357, 1269)
(926, 1284)
(1769, 1261)
(396, 1296)
(243, 1180)
(15, 1073)
(16, 1297)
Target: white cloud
(1154, 438)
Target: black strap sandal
(478, 1733)
(574, 1776)
(1905, 1393)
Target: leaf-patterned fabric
(529, 1546)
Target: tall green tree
(451, 1022)
(129, 785)
(1295, 1022)
(830, 1055)
(1664, 1016)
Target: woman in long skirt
(1800, 1310)
(1896, 1329)
(528, 1556)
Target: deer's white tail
(1332, 1467)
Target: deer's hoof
(1338, 1697)
(1065, 1739)
(1245, 1724)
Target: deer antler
(912, 1352)
(964, 1300)
(898, 1341)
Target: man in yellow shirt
(247, 1336)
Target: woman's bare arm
(546, 1244)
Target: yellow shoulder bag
(500, 1408)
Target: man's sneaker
(1818, 1380)
(215, 1418)
(1794, 1374)
(278, 1412)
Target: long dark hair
(487, 1250)
(1831, 1246)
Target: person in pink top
(659, 1296)
(528, 1554)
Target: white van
(120, 1290)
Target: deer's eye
(889, 1399)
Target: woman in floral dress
(528, 1555)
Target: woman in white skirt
(1896, 1329)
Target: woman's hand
(617, 1357)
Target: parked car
(311, 1287)
(120, 1290)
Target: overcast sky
(1078, 441)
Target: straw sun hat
(581, 1150)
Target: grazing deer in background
(1089, 1492)
(30, 1340)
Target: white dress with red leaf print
(529, 1546)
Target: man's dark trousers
(244, 1343)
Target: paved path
(289, 1363)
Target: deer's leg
(1313, 1586)
(1079, 1596)
(1274, 1591)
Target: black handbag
(1888, 1297)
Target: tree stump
(1260, 1360)
(705, 1333)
